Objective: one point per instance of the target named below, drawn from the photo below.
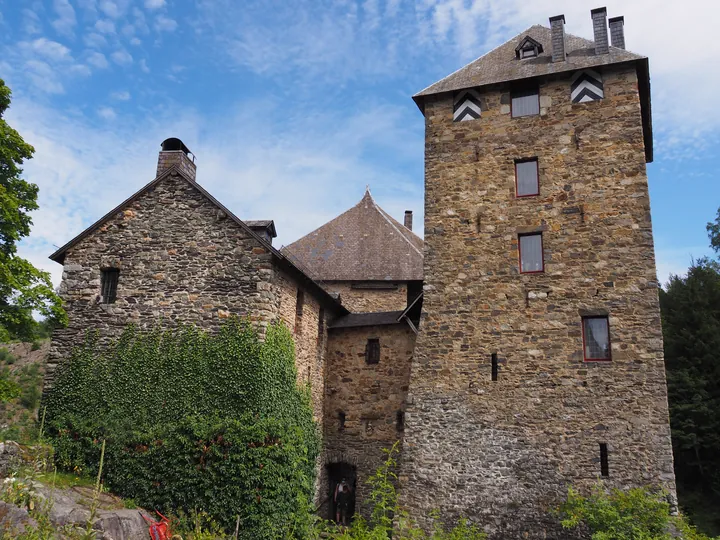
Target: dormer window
(528, 48)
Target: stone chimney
(617, 32)
(557, 31)
(174, 153)
(599, 19)
(408, 219)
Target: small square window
(372, 351)
(525, 103)
(596, 339)
(531, 253)
(526, 178)
(108, 285)
(528, 52)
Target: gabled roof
(502, 65)
(321, 294)
(362, 244)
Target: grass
(65, 480)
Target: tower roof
(502, 65)
(362, 244)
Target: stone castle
(514, 352)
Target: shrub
(636, 514)
(8, 390)
(193, 420)
(6, 357)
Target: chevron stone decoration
(467, 106)
(586, 86)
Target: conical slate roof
(501, 64)
(362, 244)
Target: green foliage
(193, 420)
(8, 390)
(389, 521)
(691, 330)
(636, 514)
(23, 288)
(6, 357)
(713, 229)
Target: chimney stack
(557, 31)
(408, 219)
(174, 153)
(599, 19)
(617, 32)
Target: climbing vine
(193, 420)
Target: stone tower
(539, 362)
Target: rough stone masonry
(502, 452)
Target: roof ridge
(390, 221)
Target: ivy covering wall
(193, 421)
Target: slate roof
(379, 318)
(501, 65)
(283, 262)
(362, 244)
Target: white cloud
(122, 57)
(165, 24)
(43, 77)
(143, 66)
(107, 113)
(123, 95)
(97, 59)
(31, 22)
(266, 170)
(154, 4)
(110, 8)
(135, 41)
(51, 50)
(105, 26)
(66, 21)
(95, 40)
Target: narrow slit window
(108, 285)
(531, 253)
(494, 369)
(525, 103)
(400, 421)
(341, 421)
(526, 177)
(299, 307)
(372, 351)
(596, 339)
(604, 467)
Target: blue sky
(292, 108)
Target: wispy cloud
(154, 4)
(65, 22)
(97, 59)
(107, 113)
(122, 95)
(51, 50)
(122, 57)
(165, 24)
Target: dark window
(531, 253)
(299, 306)
(604, 467)
(526, 178)
(321, 325)
(596, 339)
(372, 351)
(525, 102)
(108, 285)
(400, 421)
(528, 52)
(494, 372)
(341, 421)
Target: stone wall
(310, 337)
(503, 452)
(358, 296)
(370, 396)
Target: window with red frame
(526, 177)
(596, 339)
(531, 253)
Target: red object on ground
(159, 530)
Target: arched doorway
(336, 473)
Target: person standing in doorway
(342, 502)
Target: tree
(23, 288)
(691, 329)
(713, 229)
